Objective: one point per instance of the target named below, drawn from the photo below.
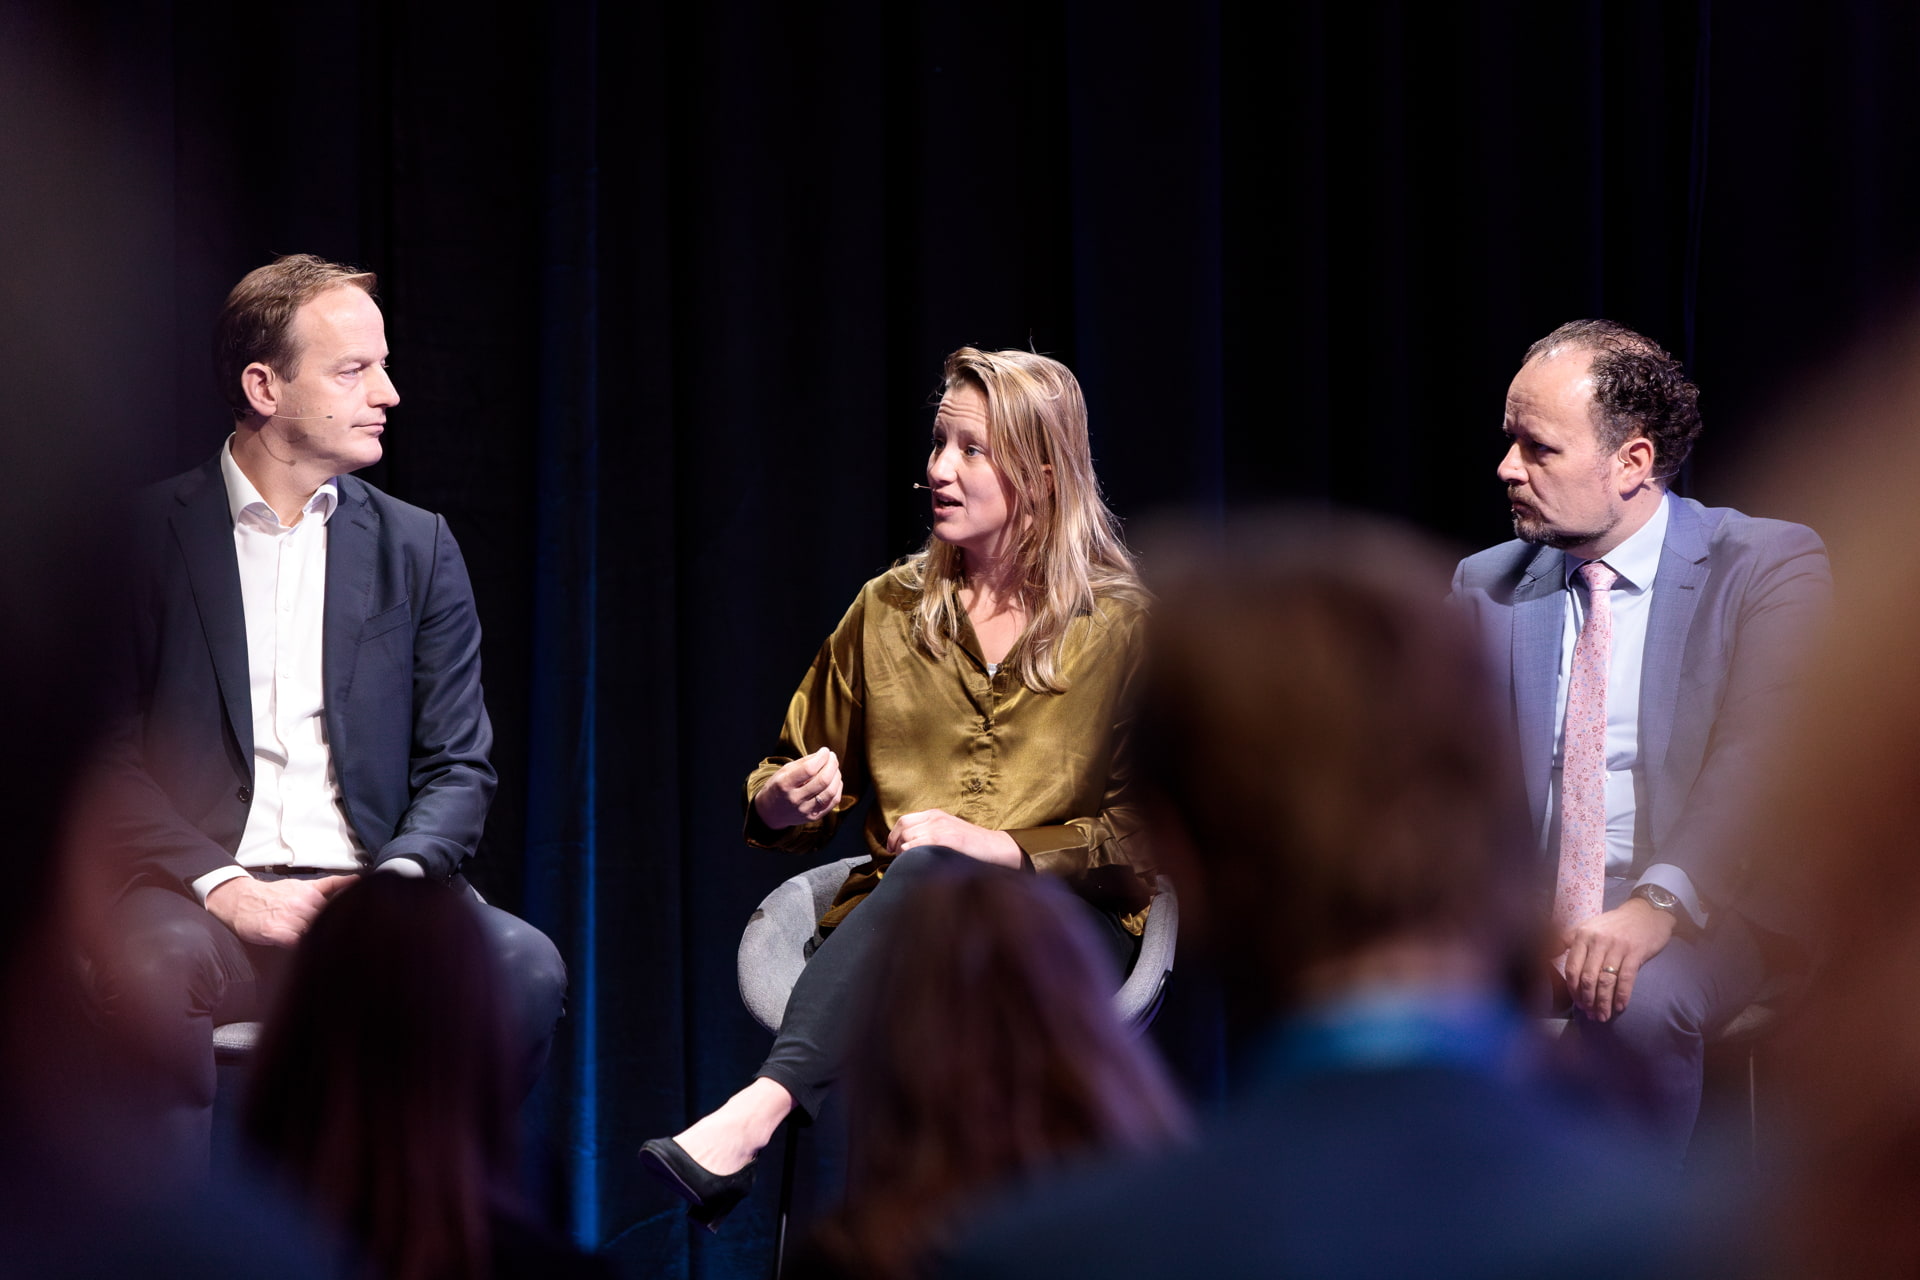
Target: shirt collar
(242, 497)
(1636, 560)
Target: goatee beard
(1532, 529)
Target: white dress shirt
(1636, 562)
(295, 818)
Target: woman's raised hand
(804, 790)
(937, 826)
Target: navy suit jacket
(405, 718)
(1735, 603)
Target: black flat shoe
(709, 1196)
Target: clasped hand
(1622, 939)
(937, 826)
(272, 913)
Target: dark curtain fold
(668, 287)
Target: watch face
(1658, 897)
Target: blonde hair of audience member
(1068, 545)
(985, 1048)
(383, 1089)
(1333, 777)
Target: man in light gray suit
(1705, 614)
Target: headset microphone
(301, 417)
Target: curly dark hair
(1638, 390)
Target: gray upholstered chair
(774, 949)
(236, 1041)
(234, 1045)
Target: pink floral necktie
(1579, 893)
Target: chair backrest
(773, 948)
(235, 1040)
(1138, 1000)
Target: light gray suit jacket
(1735, 604)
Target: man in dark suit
(1704, 617)
(1329, 775)
(306, 703)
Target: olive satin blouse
(941, 733)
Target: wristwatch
(1659, 899)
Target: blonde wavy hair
(1067, 543)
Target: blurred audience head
(1329, 771)
(77, 288)
(1834, 838)
(985, 1048)
(384, 1089)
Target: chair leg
(789, 1163)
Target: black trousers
(172, 972)
(811, 1045)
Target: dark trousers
(807, 1053)
(172, 972)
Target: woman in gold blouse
(979, 691)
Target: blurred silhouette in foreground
(1336, 788)
(1836, 836)
(388, 1083)
(986, 1048)
(81, 285)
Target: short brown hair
(1320, 738)
(257, 322)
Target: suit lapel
(1676, 595)
(352, 536)
(203, 526)
(1538, 620)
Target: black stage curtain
(668, 287)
